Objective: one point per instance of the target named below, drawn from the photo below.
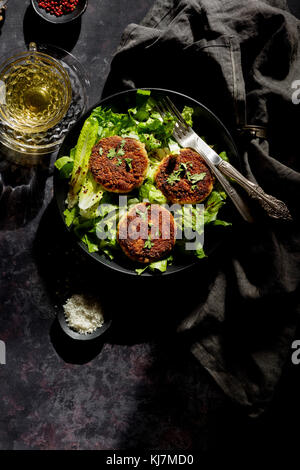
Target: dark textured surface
(54, 395)
(139, 389)
(92, 38)
(294, 6)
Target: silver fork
(187, 138)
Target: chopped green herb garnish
(100, 151)
(143, 215)
(148, 243)
(111, 153)
(121, 152)
(183, 166)
(194, 179)
(128, 162)
(119, 162)
(173, 178)
(176, 175)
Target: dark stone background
(138, 388)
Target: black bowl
(79, 10)
(205, 123)
(79, 336)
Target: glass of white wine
(35, 91)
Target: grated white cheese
(83, 314)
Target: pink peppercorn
(58, 7)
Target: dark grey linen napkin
(241, 59)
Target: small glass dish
(35, 91)
(48, 141)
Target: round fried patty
(184, 178)
(147, 232)
(119, 164)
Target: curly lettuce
(93, 213)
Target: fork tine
(180, 126)
(160, 107)
(175, 111)
(165, 105)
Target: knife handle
(273, 207)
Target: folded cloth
(242, 60)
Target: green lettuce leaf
(90, 193)
(149, 192)
(212, 206)
(90, 213)
(187, 114)
(61, 162)
(65, 166)
(70, 216)
(161, 266)
(92, 247)
(86, 141)
(94, 213)
(223, 155)
(152, 169)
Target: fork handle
(228, 188)
(273, 207)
